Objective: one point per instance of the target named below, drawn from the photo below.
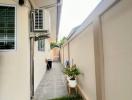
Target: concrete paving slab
(52, 85)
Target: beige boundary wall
(101, 48)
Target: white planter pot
(72, 83)
(68, 78)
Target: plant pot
(72, 83)
(68, 78)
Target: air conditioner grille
(38, 20)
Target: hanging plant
(21, 2)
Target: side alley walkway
(52, 85)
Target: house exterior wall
(66, 54)
(53, 32)
(109, 40)
(40, 56)
(15, 64)
(53, 15)
(39, 62)
(62, 55)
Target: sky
(73, 13)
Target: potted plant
(72, 72)
(53, 45)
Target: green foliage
(58, 44)
(62, 41)
(53, 45)
(72, 72)
(72, 97)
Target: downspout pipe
(31, 4)
(31, 56)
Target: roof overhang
(58, 17)
(54, 7)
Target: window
(7, 27)
(38, 20)
(41, 45)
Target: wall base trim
(82, 93)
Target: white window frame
(42, 49)
(43, 17)
(15, 30)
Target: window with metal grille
(41, 45)
(38, 20)
(7, 27)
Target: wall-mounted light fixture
(21, 2)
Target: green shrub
(72, 71)
(53, 45)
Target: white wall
(62, 55)
(15, 65)
(66, 54)
(39, 57)
(39, 62)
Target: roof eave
(59, 7)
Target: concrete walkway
(52, 85)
